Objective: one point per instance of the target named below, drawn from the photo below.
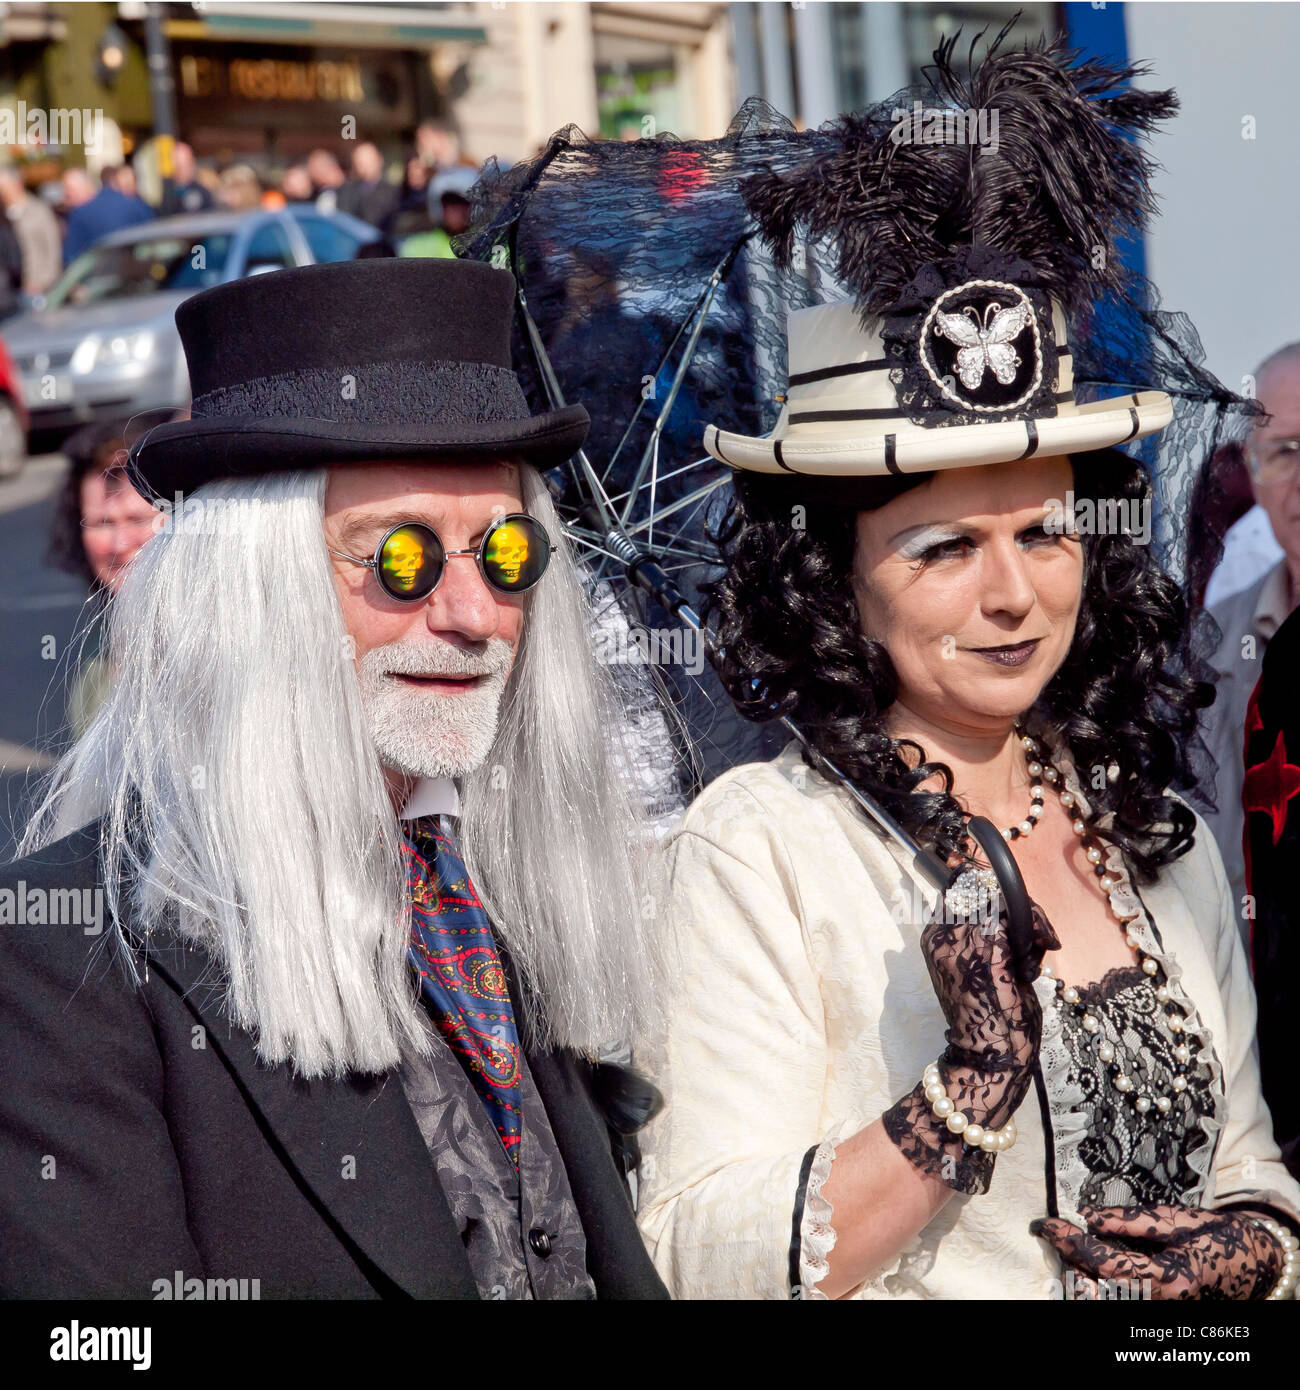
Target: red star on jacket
(1270, 785)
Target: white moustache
(438, 659)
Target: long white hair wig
(244, 801)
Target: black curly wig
(1129, 691)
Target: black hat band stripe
(1031, 432)
(875, 364)
(779, 454)
(432, 393)
(891, 453)
(813, 417)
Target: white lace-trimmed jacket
(805, 1011)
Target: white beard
(426, 733)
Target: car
(102, 343)
(14, 419)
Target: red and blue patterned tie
(460, 973)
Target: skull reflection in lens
(411, 561)
(516, 553)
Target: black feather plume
(1064, 177)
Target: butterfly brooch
(985, 343)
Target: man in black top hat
(323, 923)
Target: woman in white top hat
(941, 566)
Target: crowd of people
(385, 920)
(419, 208)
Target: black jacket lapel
(393, 1208)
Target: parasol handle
(1015, 896)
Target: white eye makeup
(925, 540)
(918, 543)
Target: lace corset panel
(1136, 1151)
(1107, 1151)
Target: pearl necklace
(1068, 995)
(1036, 770)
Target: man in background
(186, 193)
(437, 145)
(37, 230)
(326, 175)
(367, 194)
(93, 215)
(1248, 619)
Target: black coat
(1271, 803)
(128, 1152)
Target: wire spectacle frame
(410, 559)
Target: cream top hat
(977, 372)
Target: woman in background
(100, 524)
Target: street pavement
(39, 610)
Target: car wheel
(13, 442)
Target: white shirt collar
(432, 796)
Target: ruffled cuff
(814, 1235)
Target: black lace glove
(994, 1026)
(1184, 1252)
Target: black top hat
(347, 362)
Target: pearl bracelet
(976, 1136)
(1285, 1286)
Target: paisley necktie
(461, 977)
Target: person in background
(78, 188)
(1247, 620)
(327, 177)
(1249, 549)
(37, 230)
(415, 228)
(240, 188)
(100, 525)
(1272, 840)
(449, 198)
(186, 193)
(11, 271)
(122, 178)
(448, 215)
(91, 217)
(437, 144)
(367, 194)
(296, 184)
(414, 193)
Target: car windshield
(176, 262)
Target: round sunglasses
(410, 559)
